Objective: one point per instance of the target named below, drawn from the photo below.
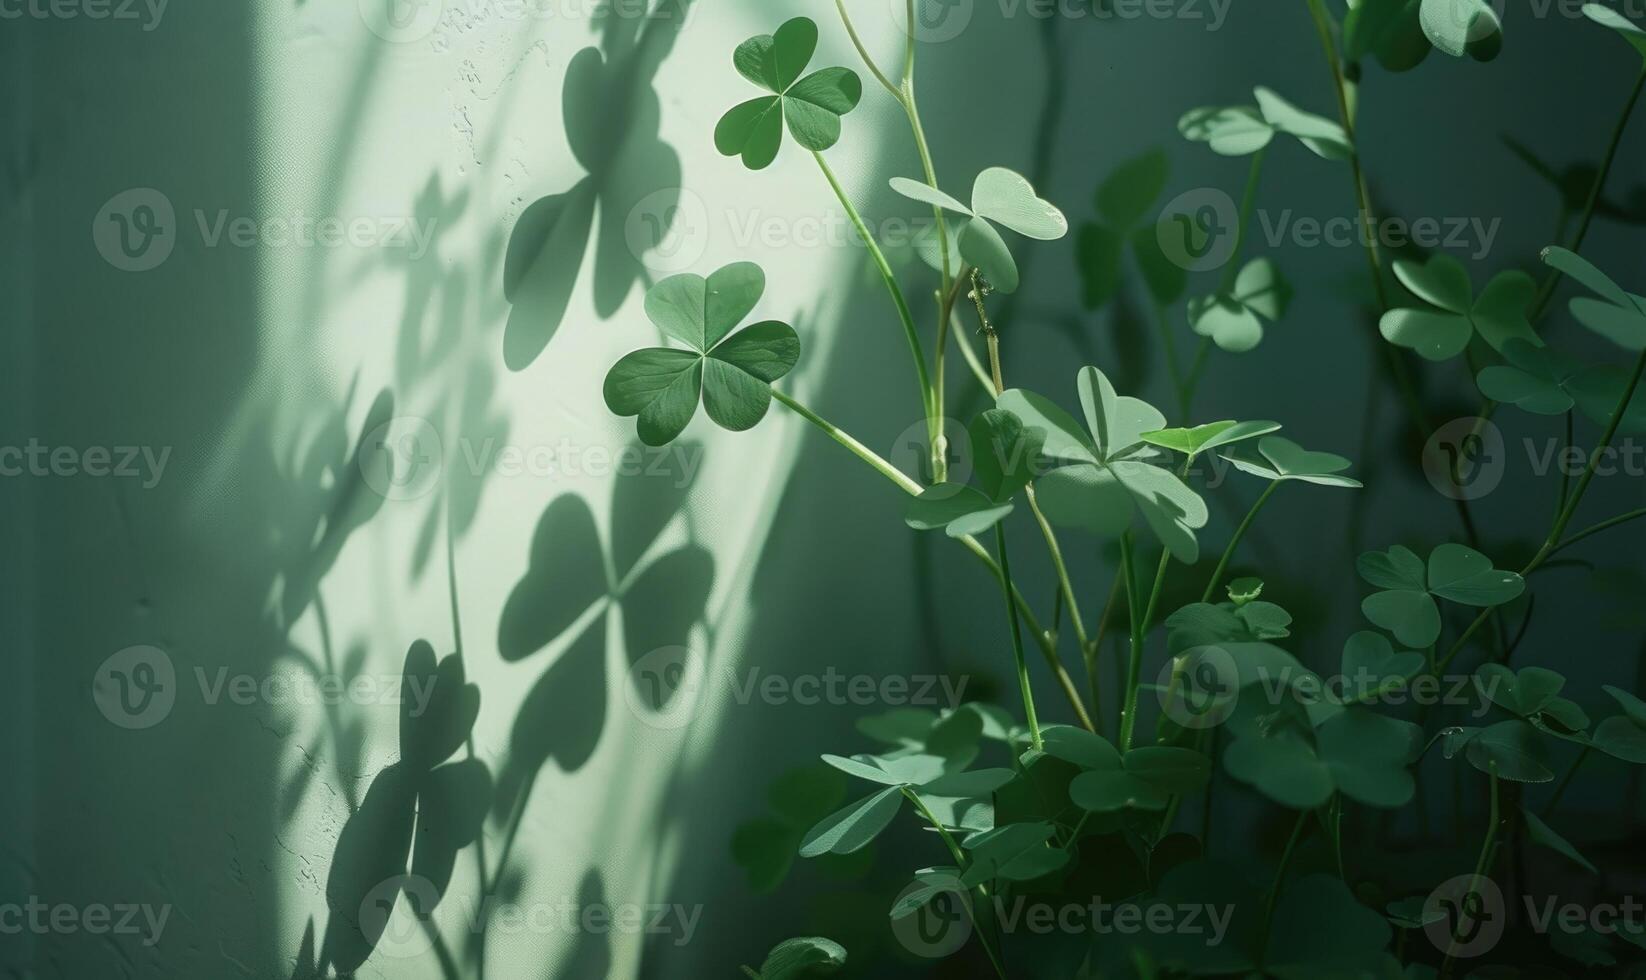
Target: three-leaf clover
(1106, 477)
(732, 375)
(1406, 606)
(998, 196)
(1234, 319)
(1144, 778)
(1533, 694)
(1243, 130)
(1124, 202)
(1212, 435)
(1282, 459)
(1004, 455)
(1442, 333)
(1356, 752)
(1544, 381)
(1513, 750)
(812, 106)
(1203, 624)
(1617, 315)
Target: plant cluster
(1021, 807)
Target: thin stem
(1595, 529)
(961, 862)
(1280, 871)
(1065, 586)
(1553, 542)
(1565, 781)
(902, 304)
(1134, 667)
(892, 473)
(863, 52)
(1480, 868)
(1240, 532)
(1017, 637)
(1553, 279)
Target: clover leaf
(1373, 665)
(1390, 29)
(1004, 454)
(1541, 833)
(1202, 624)
(765, 846)
(1243, 130)
(1606, 16)
(1015, 852)
(809, 956)
(998, 196)
(1440, 334)
(1460, 27)
(1512, 749)
(851, 828)
(1539, 380)
(1125, 200)
(1234, 320)
(1623, 736)
(1282, 459)
(1406, 606)
(1617, 315)
(1105, 479)
(811, 106)
(1212, 435)
(1359, 753)
(730, 373)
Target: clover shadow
(612, 118)
(574, 585)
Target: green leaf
(1632, 706)
(1434, 336)
(1004, 453)
(1233, 131)
(1326, 138)
(814, 105)
(852, 828)
(1284, 459)
(1575, 266)
(1164, 276)
(1015, 852)
(982, 246)
(1606, 16)
(1006, 197)
(1542, 833)
(903, 770)
(1127, 196)
(1410, 615)
(1283, 767)
(1172, 510)
(1535, 380)
(658, 385)
(1212, 435)
(958, 509)
(1442, 281)
(1460, 27)
(1116, 422)
(1320, 930)
(1619, 737)
(1145, 779)
(1514, 749)
(1367, 755)
(975, 783)
(1079, 747)
(752, 130)
(1500, 313)
(1523, 694)
(794, 959)
(1371, 663)
(1397, 568)
(1245, 589)
(916, 190)
(1466, 576)
(1061, 436)
(1234, 321)
(1624, 326)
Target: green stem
(1140, 629)
(1280, 872)
(1594, 529)
(845, 438)
(1553, 279)
(863, 52)
(1240, 532)
(1480, 868)
(960, 862)
(1552, 543)
(902, 304)
(1063, 582)
(1566, 781)
(1017, 637)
